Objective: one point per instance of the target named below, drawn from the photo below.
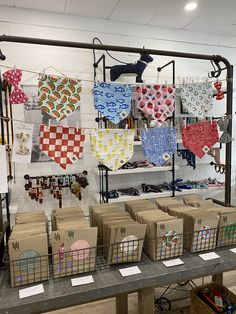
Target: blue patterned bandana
(113, 100)
(159, 144)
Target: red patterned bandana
(200, 137)
(62, 144)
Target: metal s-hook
(217, 68)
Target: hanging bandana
(200, 137)
(58, 96)
(62, 144)
(197, 98)
(156, 101)
(113, 100)
(223, 124)
(13, 77)
(159, 144)
(113, 148)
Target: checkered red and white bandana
(62, 144)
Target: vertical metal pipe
(159, 69)
(1, 110)
(173, 157)
(229, 145)
(106, 171)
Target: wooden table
(109, 283)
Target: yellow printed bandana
(112, 147)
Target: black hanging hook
(217, 69)
(2, 57)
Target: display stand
(216, 59)
(60, 294)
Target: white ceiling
(211, 16)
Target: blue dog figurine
(137, 68)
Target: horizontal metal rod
(61, 43)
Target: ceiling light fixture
(191, 6)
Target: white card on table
(209, 256)
(233, 250)
(129, 271)
(81, 281)
(3, 170)
(173, 262)
(28, 292)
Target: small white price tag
(218, 301)
(233, 250)
(28, 292)
(209, 256)
(173, 262)
(129, 271)
(81, 281)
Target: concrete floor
(179, 298)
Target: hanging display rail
(213, 58)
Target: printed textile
(13, 77)
(223, 125)
(62, 144)
(156, 100)
(58, 96)
(112, 147)
(113, 100)
(159, 144)
(200, 137)
(197, 98)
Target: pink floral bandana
(13, 77)
(156, 100)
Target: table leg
(122, 304)
(146, 301)
(218, 278)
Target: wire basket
(198, 306)
(67, 263)
(40, 268)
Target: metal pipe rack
(215, 58)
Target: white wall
(79, 62)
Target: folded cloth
(113, 100)
(58, 96)
(197, 98)
(159, 144)
(13, 77)
(112, 147)
(156, 100)
(62, 144)
(223, 124)
(200, 137)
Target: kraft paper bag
(74, 251)
(204, 232)
(227, 229)
(126, 243)
(28, 259)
